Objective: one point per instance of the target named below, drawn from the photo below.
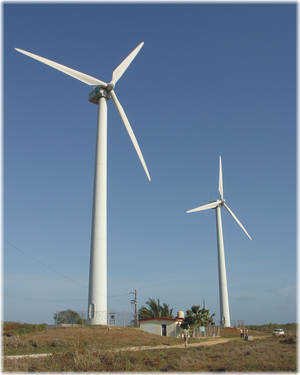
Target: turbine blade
(120, 70)
(204, 207)
(130, 131)
(220, 178)
(237, 220)
(70, 72)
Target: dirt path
(137, 348)
(180, 346)
(27, 356)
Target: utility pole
(134, 302)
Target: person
(246, 334)
(242, 333)
(185, 337)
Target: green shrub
(14, 328)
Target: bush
(289, 340)
(14, 328)
(67, 317)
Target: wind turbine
(223, 292)
(97, 300)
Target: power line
(68, 278)
(42, 299)
(47, 266)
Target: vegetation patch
(91, 337)
(267, 354)
(289, 340)
(269, 328)
(13, 328)
(93, 348)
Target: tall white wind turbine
(97, 300)
(223, 292)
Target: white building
(162, 326)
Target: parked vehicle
(278, 332)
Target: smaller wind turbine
(223, 292)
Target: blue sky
(211, 79)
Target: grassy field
(32, 339)
(90, 338)
(92, 349)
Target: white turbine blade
(70, 72)
(130, 131)
(237, 220)
(220, 179)
(204, 207)
(120, 70)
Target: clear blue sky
(211, 79)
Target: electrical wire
(68, 278)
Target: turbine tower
(97, 300)
(223, 292)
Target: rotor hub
(110, 86)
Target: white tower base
(97, 304)
(223, 293)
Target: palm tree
(155, 310)
(196, 317)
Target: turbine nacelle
(97, 93)
(101, 91)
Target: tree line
(195, 317)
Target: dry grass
(267, 354)
(91, 338)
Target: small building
(162, 326)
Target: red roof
(172, 319)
